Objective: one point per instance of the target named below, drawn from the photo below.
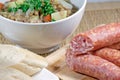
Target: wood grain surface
(95, 14)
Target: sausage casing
(115, 46)
(96, 38)
(109, 54)
(93, 66)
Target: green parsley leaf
(24, 7)
(12, 9)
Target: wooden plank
(58, 66)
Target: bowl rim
(62, 20)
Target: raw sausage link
(115, 46)
(96, 38)
(93, 66)
(109, 54)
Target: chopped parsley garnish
(24, 7)
(47, 8)
(12, 9)
(44, 6)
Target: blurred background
(101, 0)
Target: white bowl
(42, 37)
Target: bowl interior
(78, 6)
